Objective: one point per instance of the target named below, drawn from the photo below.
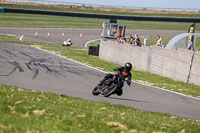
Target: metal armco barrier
(102, 16)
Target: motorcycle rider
(124, 72)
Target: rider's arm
(118, 69)
(129, 79)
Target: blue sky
(143, 3)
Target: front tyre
(96, 90)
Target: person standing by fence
(190, 45)
(145, 41)
(159, 41)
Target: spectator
(137, 40)
(122, 40)
(145, 41)
(132, 40)
(190, 45)
(118, 39)
(159, 41)
(125, 39)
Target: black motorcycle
(109, 87)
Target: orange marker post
(63, 35)
(81, 35)
(36, 34)
(48, 35)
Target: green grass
(47, 21)
(112, 11)
(33, 111)
(94, 43)
(29, 111)
(197, 44)
(81, 55)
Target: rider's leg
(119, 91)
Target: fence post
(149, 59)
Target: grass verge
(29, 111)
(103, 10)
(49, 21)
(81, 55)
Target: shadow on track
(127, 99)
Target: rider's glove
(115, 69)
(129, 82)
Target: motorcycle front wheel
(96, 90)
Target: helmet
(128, 66)
(69, 40)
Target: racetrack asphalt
(28, 67)
(74, 34)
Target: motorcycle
(67, 43)
(109, 87)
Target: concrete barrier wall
(183, 63)
(118, 53)
(173, 64)
(195, 71)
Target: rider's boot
(119, 91)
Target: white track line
(8, 34)
(21, 37)
(90, 42)
(68, 59)
(196, 98)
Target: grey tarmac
(28, 67)
(74, 34)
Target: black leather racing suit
(123, 73)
